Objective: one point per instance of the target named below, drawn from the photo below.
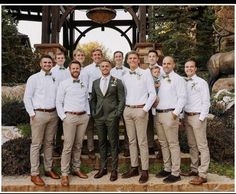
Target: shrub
(13, 112)
(16, 157)
(25, 130)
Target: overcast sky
(111, 39)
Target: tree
(184, 32)
(88, 47)
(18, 62)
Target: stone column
(143, 48)
(49, 49)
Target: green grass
(222, 169)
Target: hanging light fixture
(101, 15)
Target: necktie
(62, 68)
(104, 88)
(117, 68)
(132, 73)
(48, 73)
(76, 81)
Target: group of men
(101, 94)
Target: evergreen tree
(18, 62)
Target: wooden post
(143, 23)
(45, 24)
(55, 10)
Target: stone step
(95, 164)
(215, 183)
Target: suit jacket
(112, 104)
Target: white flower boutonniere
(81, 84)
(193, 85)
(114, 82)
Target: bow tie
(48, 73)
(76, 81)
(188, 79)
(119, 68)
(62, 68)
(97, 65)
(132, 72)
(165, 76)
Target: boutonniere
(193, 85)
(138, 76)
(114, 82)
(53, 79)
(81, 84)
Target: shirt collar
(108, 77)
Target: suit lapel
(98, 86)
(109, 85)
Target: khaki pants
(43, 127)
(136, 124)
(197, 141)
(167, 132)
(74, 127)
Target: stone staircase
(215, 183)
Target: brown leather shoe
(114, 175)
(198, 180)
(37, 180)
(80, 174)
(64, 181)
(91, 155)
(52, 174)
(190, 173)
(132, 172)
(100, 173)
(144, 177)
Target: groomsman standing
(73, 109)
(40, 103)
(172, 98)
(108, 100)
(119, 71)
(140, 96)
(195, 121)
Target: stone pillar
(49, 49)
(143, 48)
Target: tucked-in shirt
(93, 73)
(102, 80)
(139, 88)
(119, 73)
(172, 93)
(40, 92)
(72, 97)
(60, 73)
(198, 97)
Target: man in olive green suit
(107, 103)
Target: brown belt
(45, 110)
(165, 110)
(192, 113)
(76, 113)
(136, 106)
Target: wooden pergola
(62, 18)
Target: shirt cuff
(31, 114)
(201, 118)
(63, 117)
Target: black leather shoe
(171, 179)
(144, 176)
(162, 174)
(100, 173)
(114, 175)
(151, 151)
(132, 172)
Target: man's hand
(174, 115)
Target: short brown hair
(76, 62)
(132, 52)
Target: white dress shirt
(119, 73)
(172, 93)
(93, 73)
(40, 92)
(72, 97)
(139, 88)
(59, 73)
(198, 97)
(102, 81)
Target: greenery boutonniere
(81, 84)
(53, 79)
(114, 82)
(138, 76)
(193, 85)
